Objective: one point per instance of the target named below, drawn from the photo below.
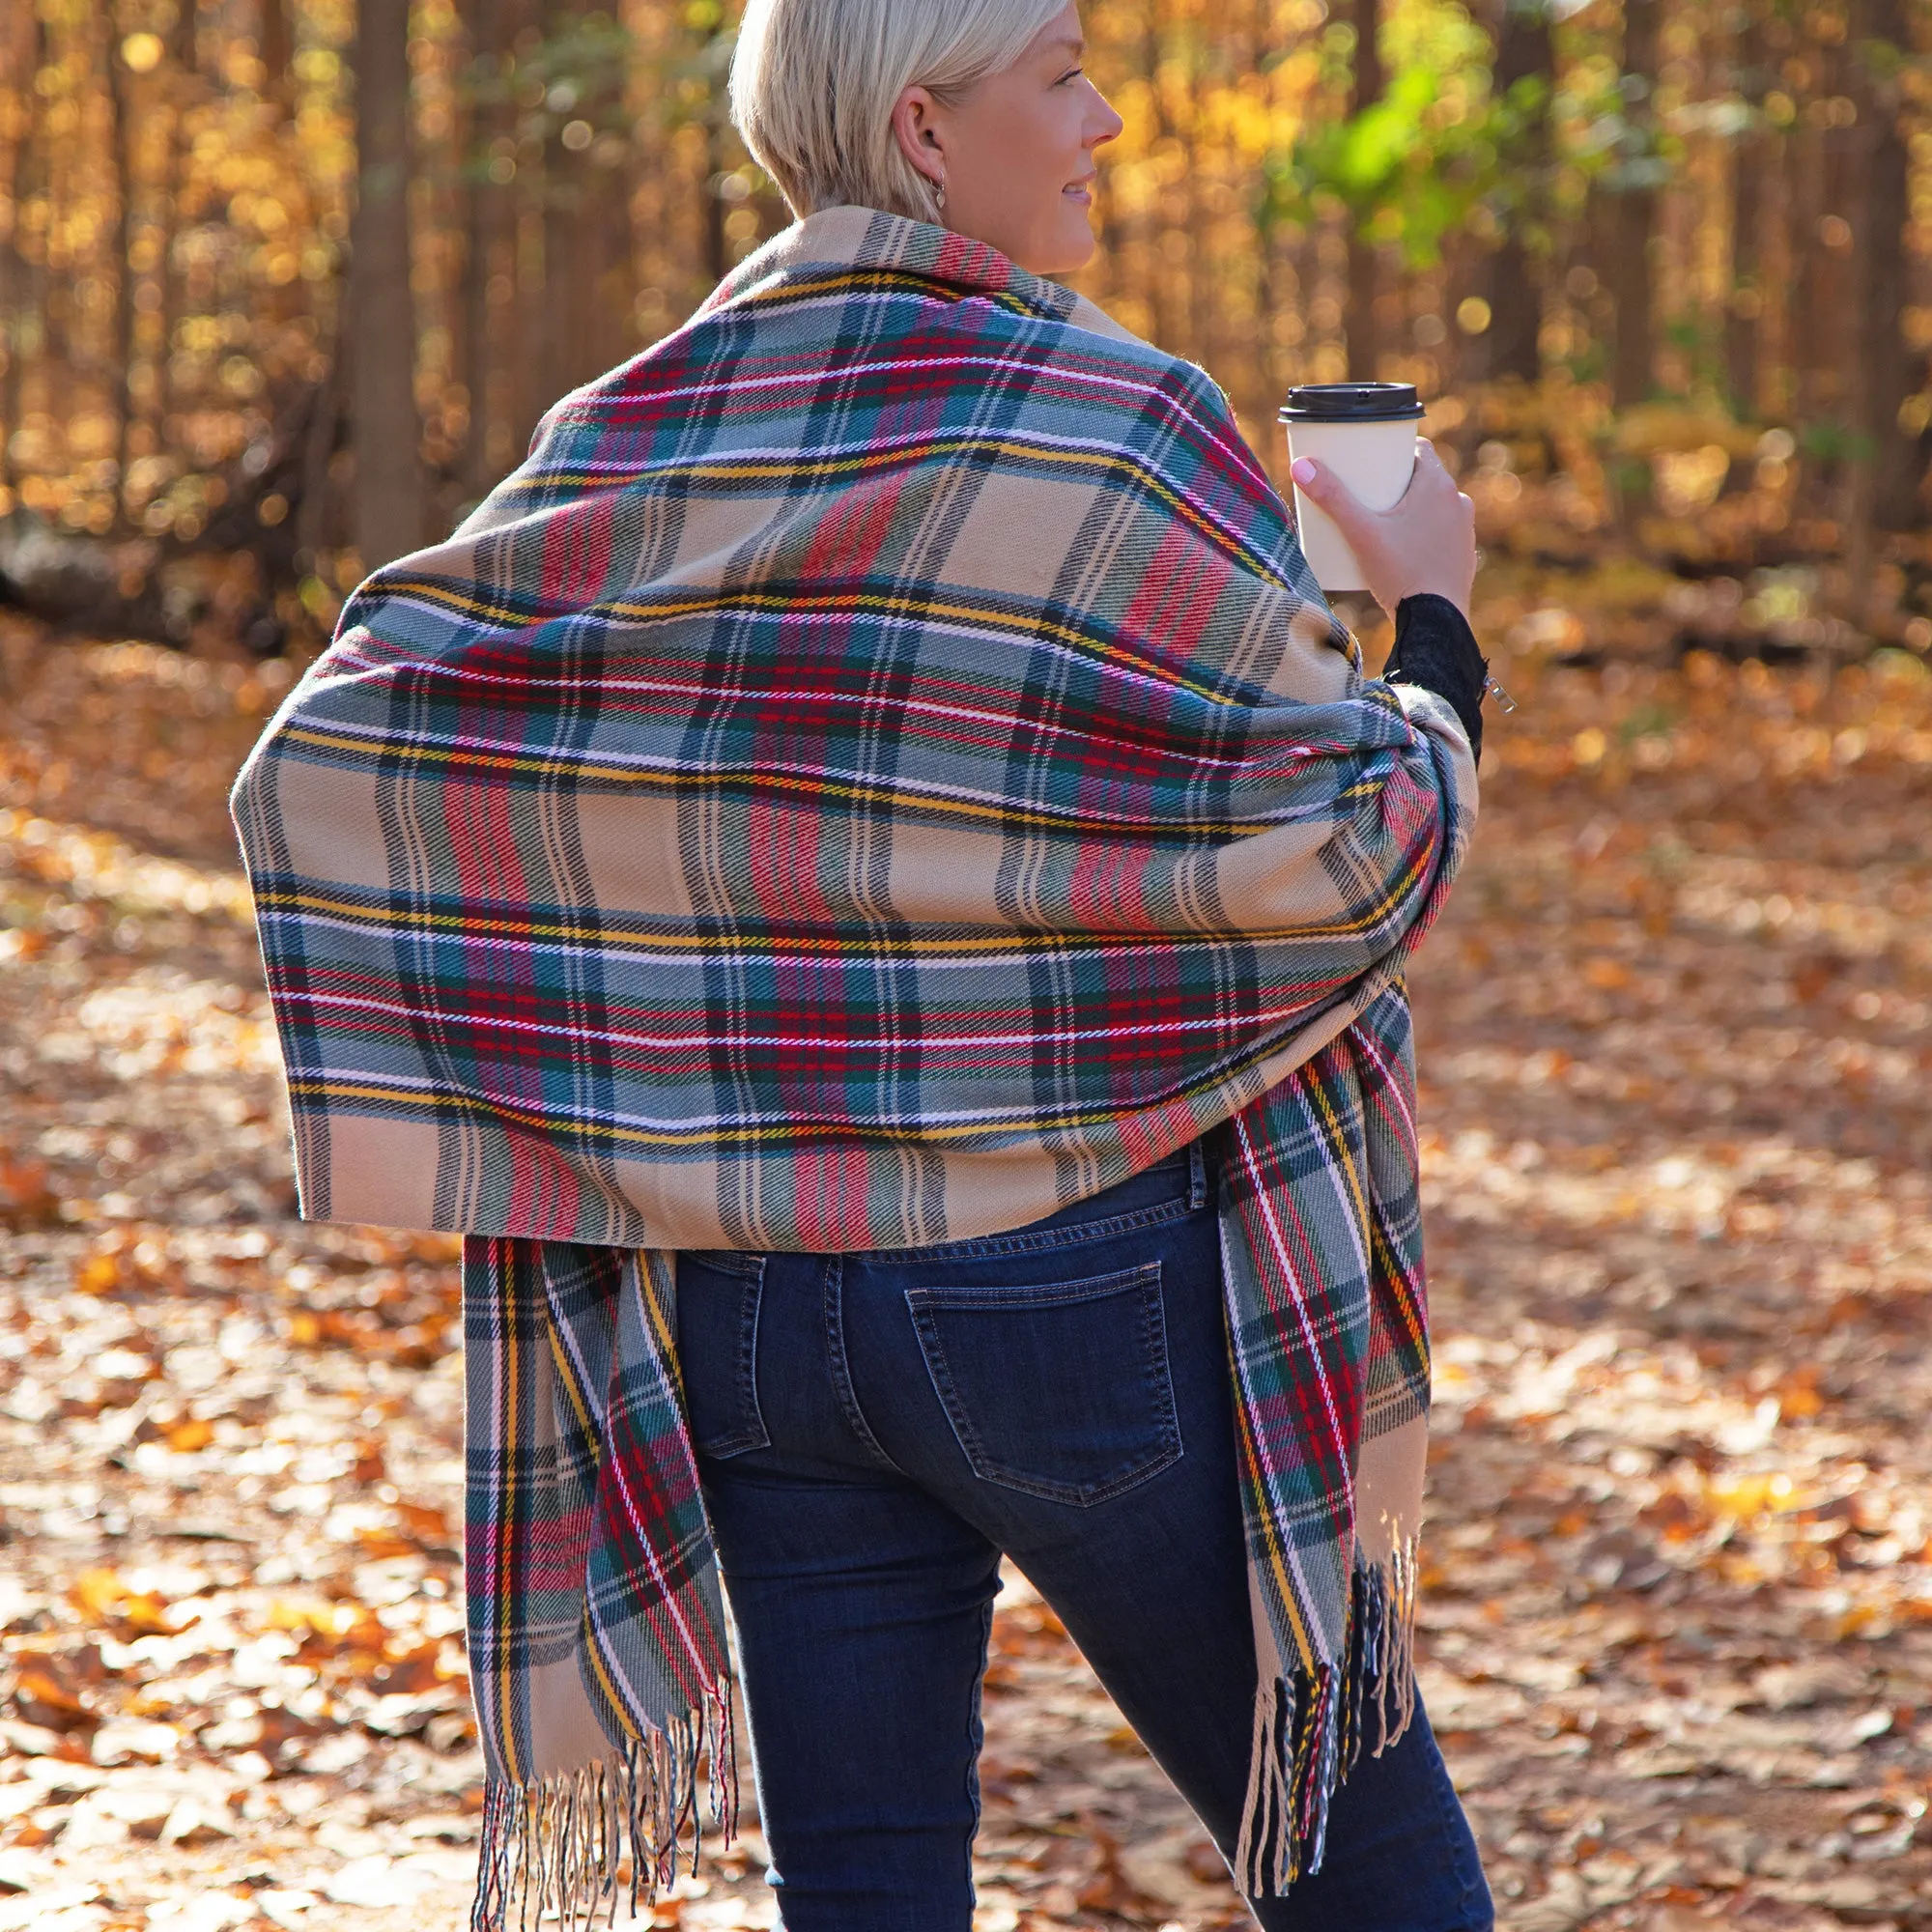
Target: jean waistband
(1177, 1183)
(1190, 1161)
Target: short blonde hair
(813, 84)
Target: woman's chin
(1066, 247)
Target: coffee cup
(1365, 433)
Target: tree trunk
(1267, 363)
(1803, 210)
(612, 268)
(559, 207)
(1751, 156)
(1511, 279)
(490, 239)
(19, 52)
(579, 277)
(278, 52)
(1889, 370)
(1363, 337)
(1631, 270)
(1821, 339)
(389, 518)
(1205, 301)
(563, 195)
(1159, 323)
(717, 259)
(183, 85)
(120, 86)
(586, 225)
(315, 514)
(44, 311)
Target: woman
(867, 879)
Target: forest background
(285, 286)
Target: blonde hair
(813, 84)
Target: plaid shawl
(880, 771)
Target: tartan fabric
(878, 772)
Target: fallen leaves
(1674, 1036)
(1678, 1598)
(43, 1695)
(27, 1195)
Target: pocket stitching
(993, 1248)
(1039, 1295)
(750, 1432)
(1156, 1376)
(742, 1263)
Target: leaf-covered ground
(1677, 1622)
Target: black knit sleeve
(1435, 649)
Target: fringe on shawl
(1312, 1726)
(573, 1846)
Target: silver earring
(938, 195)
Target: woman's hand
(1427, 543)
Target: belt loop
(1197, 1177)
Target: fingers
(1426, 457)
(1316, 478)
(1429, 477)
(1321, 486)
(1432, 480)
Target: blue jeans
(874, 1429)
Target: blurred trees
(1630, 239)
(381, 338)
(1658, 264)
(1524, 81)
(1361, 318)
(1892, 373)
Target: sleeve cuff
(1435, 649)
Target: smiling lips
(1078, 191)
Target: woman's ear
(915, 125)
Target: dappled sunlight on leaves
(1677, 1621)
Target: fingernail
(1302, 469)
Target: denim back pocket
(1061, 1390)
(718, 1297)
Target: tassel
(555, 1849)
(1266, 1784)
(1311, 1728)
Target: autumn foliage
(1659, 266)
(1678, 1616)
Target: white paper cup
(1365, 433)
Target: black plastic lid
(1352, 402)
